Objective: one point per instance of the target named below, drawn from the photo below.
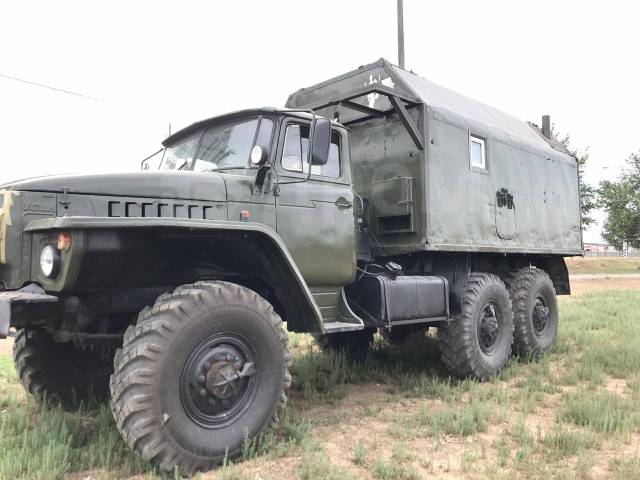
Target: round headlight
(50, 261)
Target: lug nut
(203, 393)
(211, 401)
(201, 379)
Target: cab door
(315, 218)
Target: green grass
(562, 442)
(603, 332)
(359, 454)
(626, 468)
(399, 466)
(461, 420)
(315, 465)
(393, 471)
(602, 412)
(52, 444)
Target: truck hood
(171, 184)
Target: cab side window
(296, 150)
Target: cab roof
(194, 127)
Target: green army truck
(375, 201)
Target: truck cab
(309, 208)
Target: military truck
(375, 201)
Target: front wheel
(60, 373)
(477, 343)
(201, 372)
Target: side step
(335, 327)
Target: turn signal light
(64, 241)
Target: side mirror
(321, 141)
(259, 155)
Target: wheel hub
(540, 315)
(224, 378)
(489, 328)
(217, 381)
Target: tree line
(620, 199)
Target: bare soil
(6, 346)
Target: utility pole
(400, 35)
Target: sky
(151, 66)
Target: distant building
(598, 248)
(604, 249)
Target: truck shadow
(412, 366)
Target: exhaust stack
(546, 126)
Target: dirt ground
(6, 346)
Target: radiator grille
(161, 209)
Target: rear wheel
(60, 373)
(201, 372)
(477, 343)
(535, 312)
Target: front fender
(274, 252)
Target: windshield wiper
(152, 155)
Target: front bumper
(11, 299)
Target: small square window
(477, 152)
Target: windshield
(178, 156)
(222, 146)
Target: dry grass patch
(598, 265)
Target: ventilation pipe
(400, 35)
(546, 126)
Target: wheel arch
(247, 253)
(556, 268)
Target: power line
(41, 85)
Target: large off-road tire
(402, 333)
(60, 373)
(202, 371)
(477, 343)
(353, 343)
(535, 312)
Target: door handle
(343, 203)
